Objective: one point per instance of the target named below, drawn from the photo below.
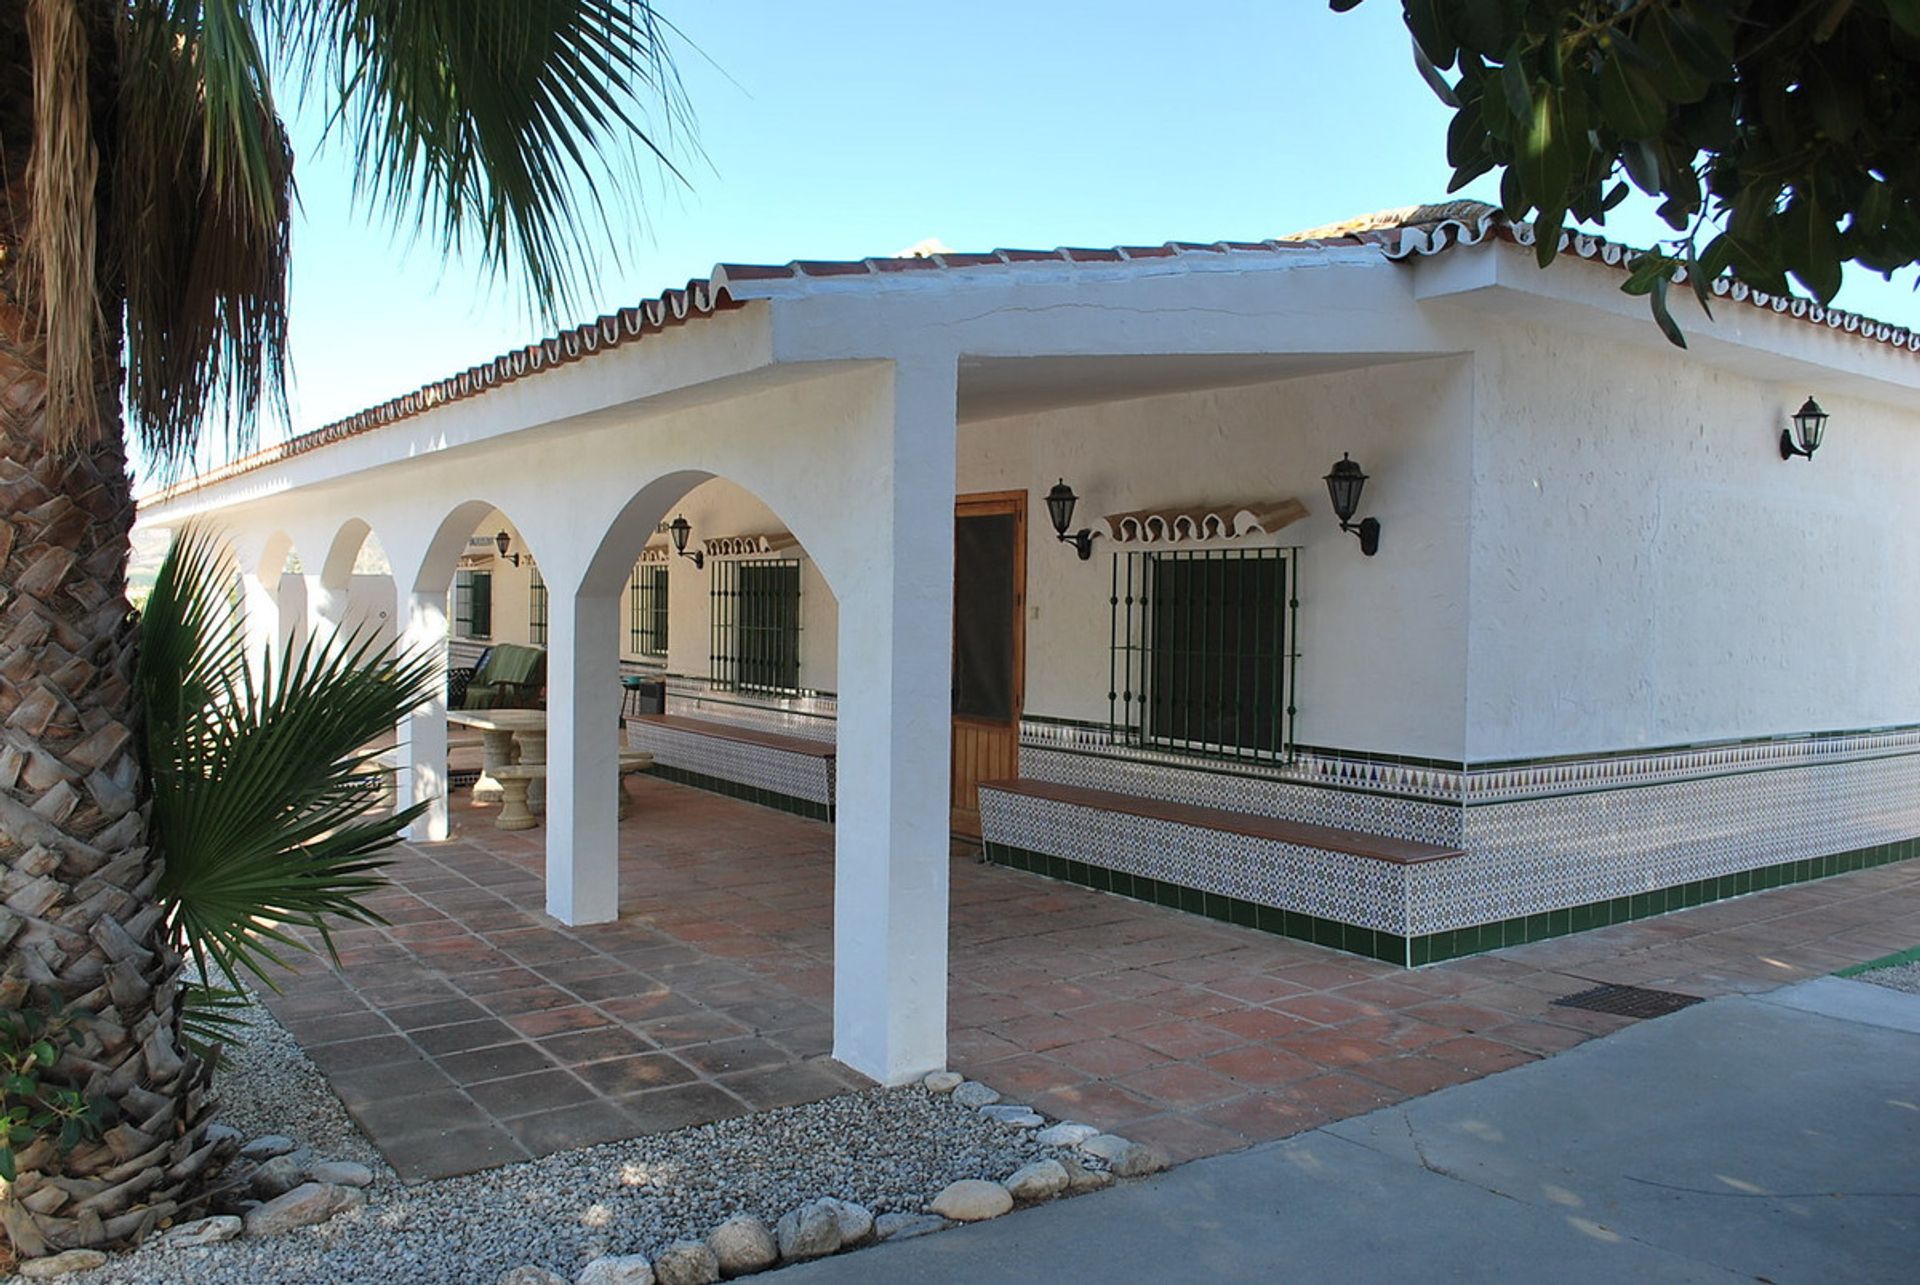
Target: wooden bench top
(742, 735)
(1378, 847)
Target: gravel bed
(1900, 977)
(889, 1149)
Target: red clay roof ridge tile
(1403, 233)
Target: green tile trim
(1432, 948)
(1370, 942)
(746, 793)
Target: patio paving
(472, 1030)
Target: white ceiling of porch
(993, 387)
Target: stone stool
(515, 779)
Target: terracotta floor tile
(525, 1094)
(617, 1077)
(1258, 988)
(1341, 1094)
(461, 1036)
(784, 1085)
(377, 1050)
(1482, 1055)
(1106, 1057)
(1415, 1073)
(531, 1000)
(452, 1152)
(973, 1046)
(1183, 1084)
(1326, 972)
(1041, 1033)
(1191, 1033)
(722, 1056)
(1326, 1009)
(1184, 1039)
(494, 1063)
(680, 1106)
(1262, 1117)
(583, 1124)
(576, 1047)
(1459, 1016)
(347, 1026)
(1100, 1102)
(1261, 1066)
(1336, 1047)
(1117, 1017)
(1185, 1137)
(1259, 1023)
(558, 1021)
(1031, 1074)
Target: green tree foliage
(1779, 137)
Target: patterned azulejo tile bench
(792, 773)
(1340, 888)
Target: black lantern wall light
(680, 530)
(503, 542)
(1344, 485)
(1060, 502)
(1809, 426)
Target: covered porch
(846, 422)
(475, 1030)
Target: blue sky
(852, 128)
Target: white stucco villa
(1615, 654)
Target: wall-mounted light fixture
(681, 529)
(1809, 426)
(1344, 485)
(1060, 502)
(503, 542)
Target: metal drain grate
(1628, 1001)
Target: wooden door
(989, 646)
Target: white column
(423, 733)
(895, 739)
(583, 747)
(325, 609)
(260, 612)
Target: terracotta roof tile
(1401, 234)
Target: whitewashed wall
(1647, 571)
(1382, 639)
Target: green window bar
(537, 610)
(647, 610)
(755, 616)
(473, 604)
(1202, 651)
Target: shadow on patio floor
(473, 1030)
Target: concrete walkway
(1773, 1137)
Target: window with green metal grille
(647, 610)
(537, 610)
(756, 625)
(1202, 651)
(473, 604)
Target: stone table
(501, 731)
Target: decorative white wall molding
(1174, 523)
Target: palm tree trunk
(79, 922)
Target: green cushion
(509, 675)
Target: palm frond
(511, 129)
(261, 807)
(211, 1019)
(203, 201)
